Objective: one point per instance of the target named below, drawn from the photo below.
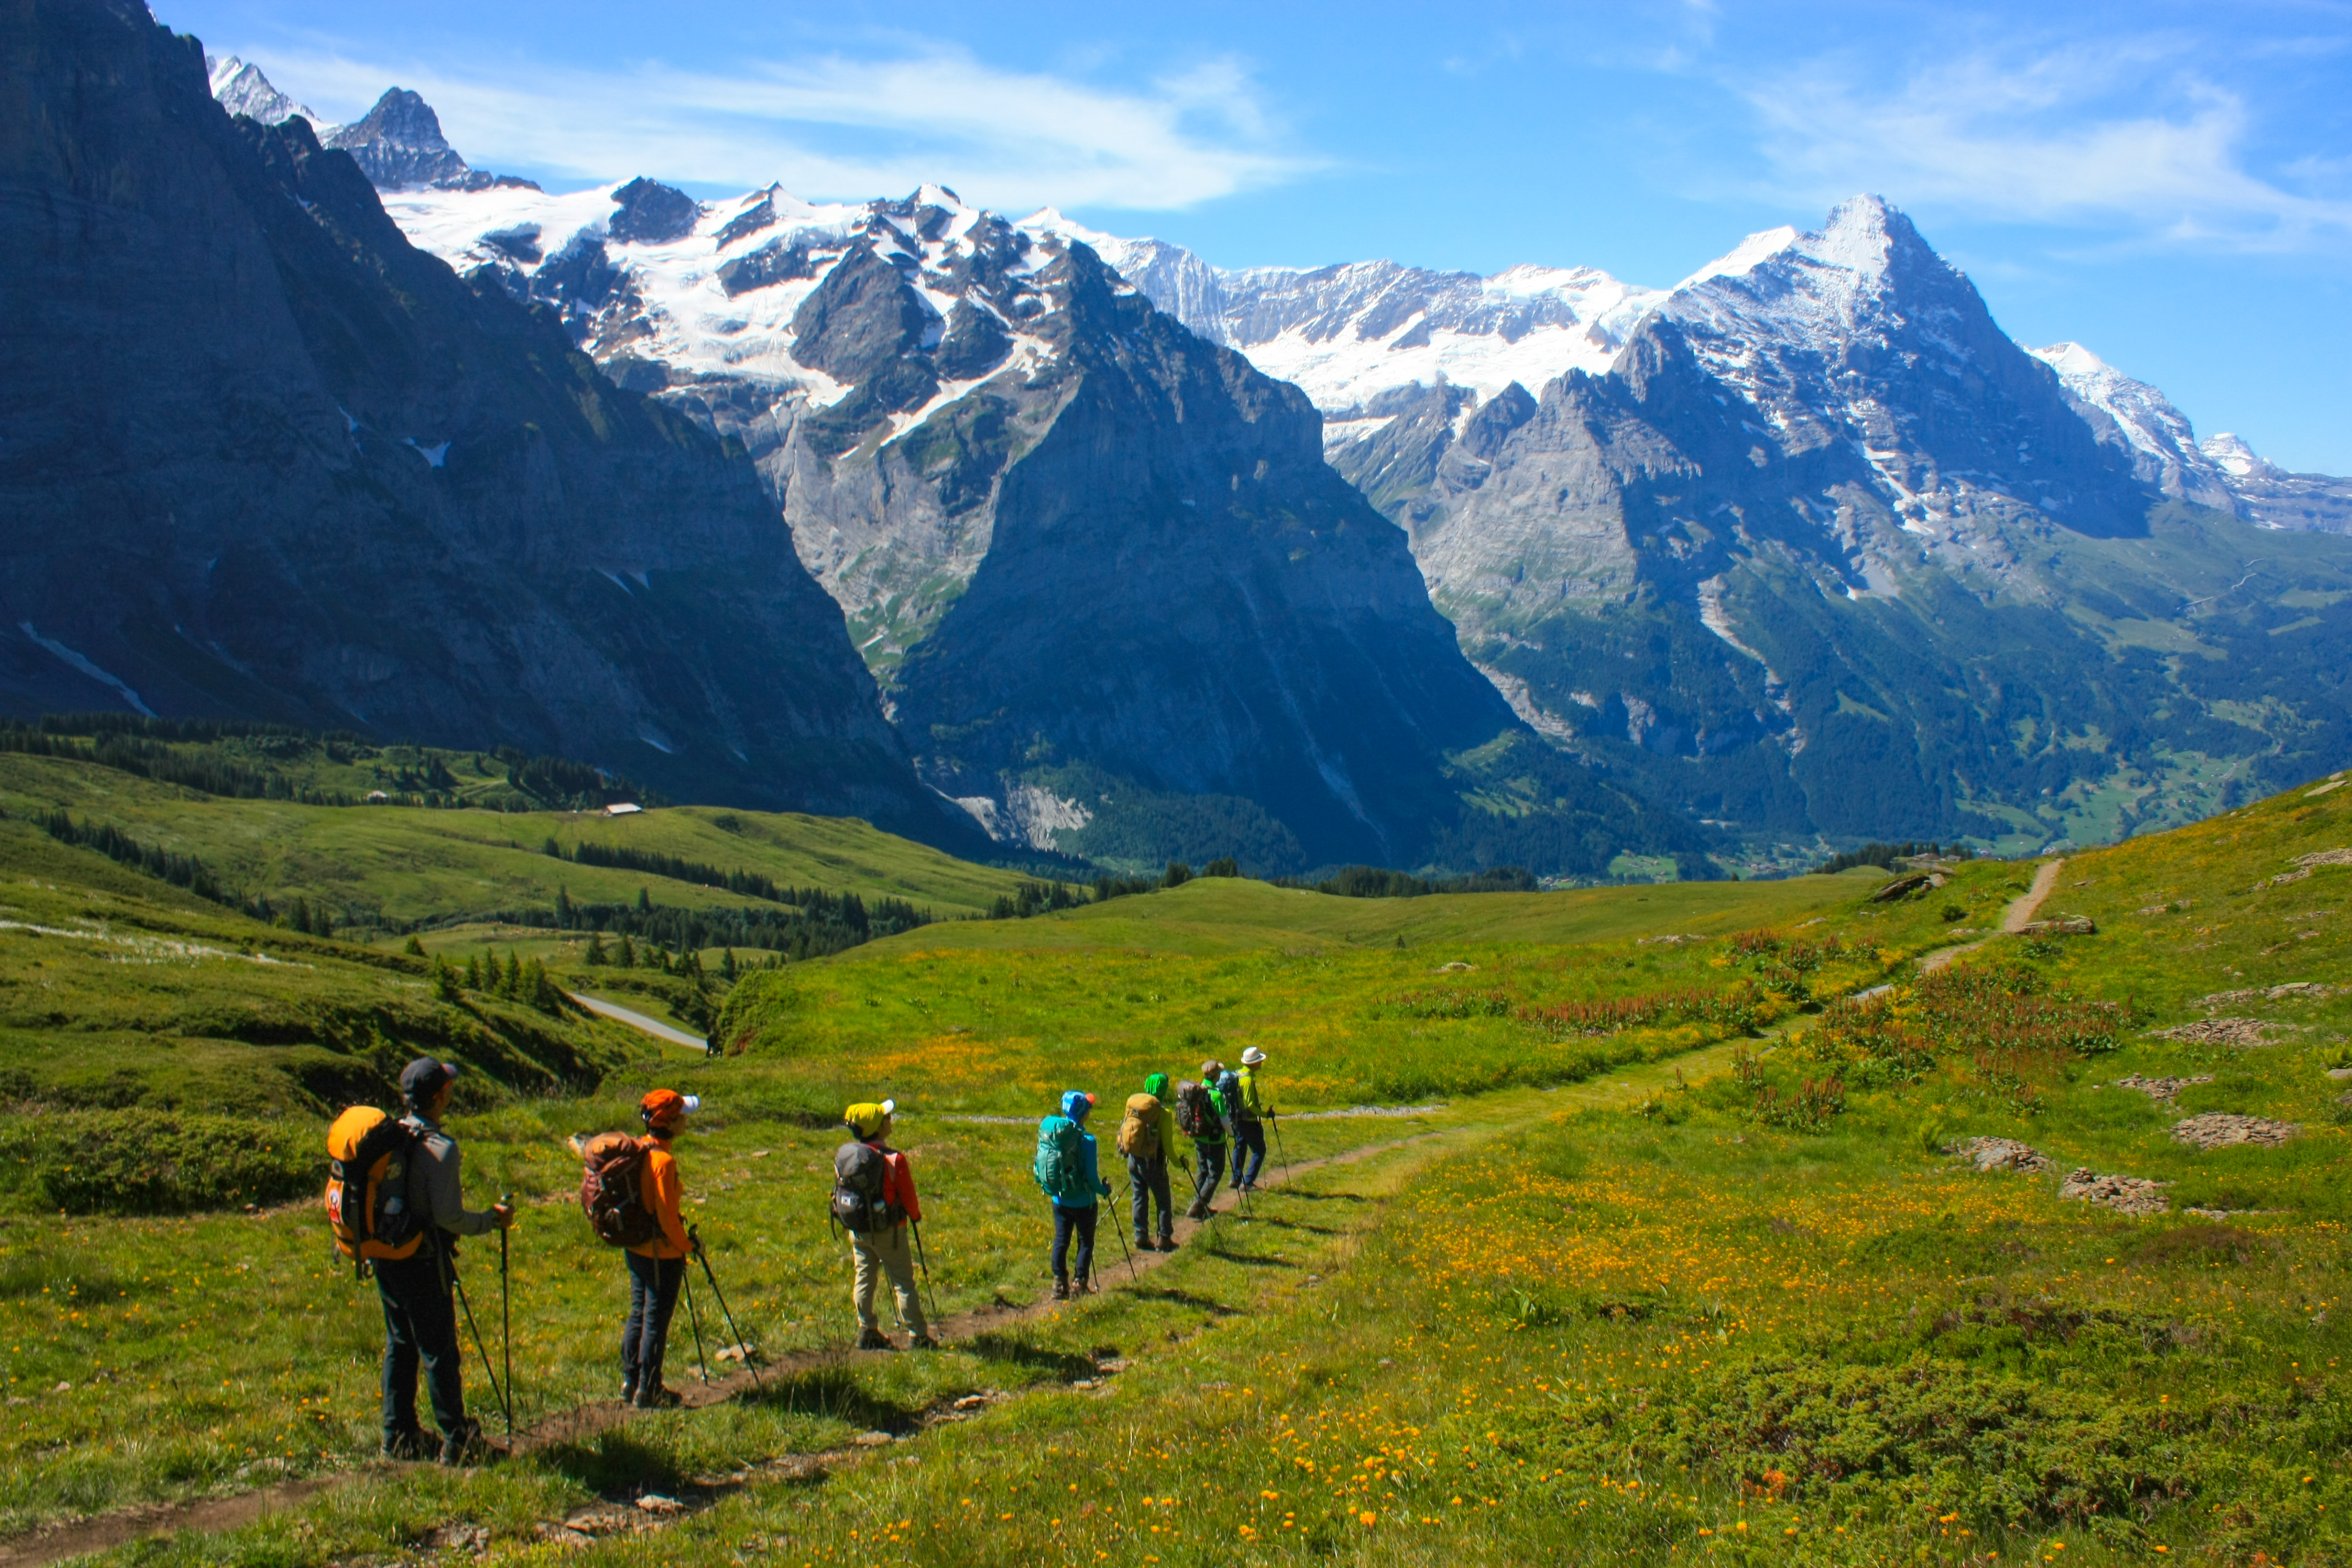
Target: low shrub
(147, 1161)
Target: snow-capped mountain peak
(2237, 459)
(241, 89)
(2142, 421)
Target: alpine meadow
(750, 873)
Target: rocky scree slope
(1119, 604)
(267, 459)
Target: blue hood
(1075, 1105)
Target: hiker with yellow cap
(874, 1200)
(657, 1265)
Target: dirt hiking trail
(2013, 918)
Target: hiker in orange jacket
(657, 1268)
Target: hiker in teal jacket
(1074, 1202)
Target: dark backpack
(859, 1175)
(1197, 1116)
(368, 1156)
(612, 1190)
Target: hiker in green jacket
(1201, 1117)
(1150, 1138)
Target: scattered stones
(1669, 940)
(873, 1439)
(603, 1519)
(2221, 1129)
(2339, 1074)
(2325, 858)
(2124, 1195)
(1456, 967)
(473, 1538)
(1902, 886)
(2306, 990)
(1081, 1382)
(2220, 1032)
(972, 1401)
(735, 1352)
(2285, 876)
(658, 1505)
(1999, 1154)
(62, 1388)
(2060, 925)
(2163, 1089)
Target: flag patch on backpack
(612, 1190)
(860, 1176)
(368, 1155)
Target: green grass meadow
(1664, 1258)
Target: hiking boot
(628, 1393)
(462, 1444)
(1167, 1244)
(922, 1342)
(874, 1339)
(1081, 1286)
(1142, 1244)
(410, 1444)
(1061, 1289)
(656, 1397)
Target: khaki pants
(887, 1252)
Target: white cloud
(2040, 138)
(841, 127)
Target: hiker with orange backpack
(406, 1177)
(1150, 1138)
(874, 1200)
(657, 1264)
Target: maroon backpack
(612, 1189)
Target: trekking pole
(1121, 1228)
(506, 1312)
(922, 1259)
(742, 1343)
(695, 1317)
(489, 1368)
(1279, 1146)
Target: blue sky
(2171, 185)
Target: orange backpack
(368, 1155)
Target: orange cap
(666, 1106)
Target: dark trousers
(654, 1285)
(420, 1324)
(1249, 1152)
(1212, 1158)
(1068, 1222)
(1147, 1180)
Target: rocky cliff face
(1824, 551)
(1119, 605)
(265, 458)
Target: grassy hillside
(388, 865)
(1650, 1285)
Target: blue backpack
(1057, 1168)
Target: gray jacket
(433, 1181)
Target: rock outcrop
(267, 459)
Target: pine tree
(473, 973)
(445, 979)
(727, 969)
(595, 956)
(320, 924)
(628, 959)
(413, 948)
(510, 984)
(562, 909)
(645, 904)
